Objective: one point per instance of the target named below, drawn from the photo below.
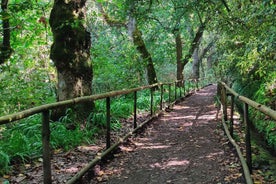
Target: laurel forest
(58, 50)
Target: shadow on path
(182, 146)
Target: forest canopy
(57, 50)
(227, 40)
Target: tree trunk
(198, 57)
(210, 60)
(178, 45)
(136, 36)
(196, 64)
(141, 47)
(193, 46)
(5, 47)
(71, 52)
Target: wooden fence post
(108, 123)
(224, 102)
(184, 89)
(47, 175)
(151, 101)
(180, 89)
(135, 111)
(231, 116)
(169, 94)
(175, 91)
(161, 97)
(248, 142)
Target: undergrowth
(21, 141)
(264, 126)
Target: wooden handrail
(246, 170)
(262, 108)
(35, 110)
(45, 110)
(223, 91)
(23, 114)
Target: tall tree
(136, 36)
(198, 55)
(196, 64)
(193, 46)
(71, 51)
(179, 55)
(181, 19)
(141, 47)
(5, 47)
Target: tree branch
(159, 22)
(206, 49)
(108, 20)
(194, 44)
(226, 6)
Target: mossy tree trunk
(193, 46)
(198, 56)
(196, 64)
(136, 37)
(71, 52)
(5, 47)
(141, 47)
(179, 54)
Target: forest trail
(185, 145)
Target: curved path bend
(184, 146)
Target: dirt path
(185, 145)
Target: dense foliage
(246, 55)
(242, 53)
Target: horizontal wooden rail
(246, 170)
(101, 156)
(262, 108)
(45, 110)
(26, 113)
(223, 92)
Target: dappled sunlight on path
(180, 147)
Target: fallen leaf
(20, 178)
(6, 176)
(57, 151)
(99, 179)
(27, 166)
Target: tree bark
(179, 54)
(136, 37)
(198, 57)
(210, 61)
(193, 46)
(71, 52)
(141, 47)
(5, 47)
(196, 64)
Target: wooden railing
(223, 92)
(45, 111)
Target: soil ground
(185, 145)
